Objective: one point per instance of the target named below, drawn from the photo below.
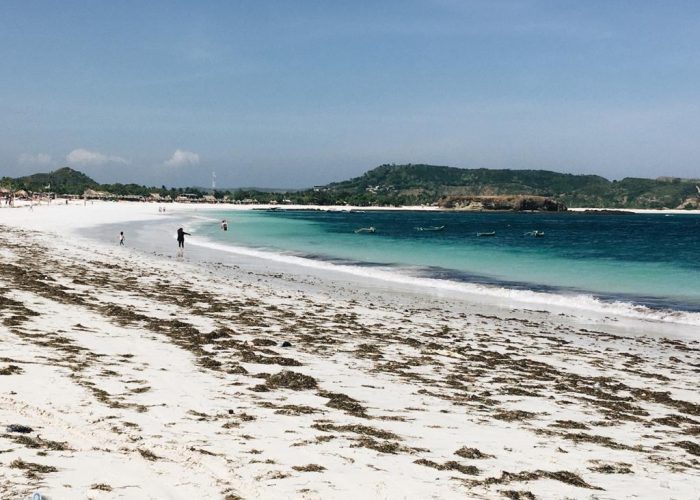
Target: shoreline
(582, 303)
(169, 377)
(594, 306)
(348, 208)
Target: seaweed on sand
(511, 415)
(366, 437)
(290, 380)
(563, 476)
(37, 442)
(472, 453)
(32, 470)
(101, 487)
(450, 465)
(517, 495)
(309, 468)
(582, 437)
(389, 447)
(11, 370)
(357, 429)
(344, 402)
(674, 420)
(148, 455)
(690, 447)
(569, 424)
(618, 468)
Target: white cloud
(84, 157)
(182, 158)
(37, 159)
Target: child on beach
(121, 238)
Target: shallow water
(647, 260)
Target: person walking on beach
(121, 238)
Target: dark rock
(286, 344)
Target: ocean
(639, 264)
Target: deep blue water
(653, 260)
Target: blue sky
(296, 93)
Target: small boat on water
(370, 229)
(536, 234)
(491, 233)
(430, 228)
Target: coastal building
(91, 194)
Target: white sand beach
(138, 374)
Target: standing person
(224, 225)
(121, 238)
(181, 238)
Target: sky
(291, 94)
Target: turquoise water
(651, 260)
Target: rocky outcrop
(513, 203)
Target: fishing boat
(536, 234)
(430, 228)
(491, 233)
(370, 229)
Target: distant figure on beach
(181, 237)
(121, 238)
(224, 225)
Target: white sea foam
(479, 292)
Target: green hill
(425, 184)
(64, 181)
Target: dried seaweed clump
(344, 402)
(11, 370)
(362, 430)
(620, 468)
(690, 447)
(511, 415)
(30, 469)
(309, 468)
(148, 455)
(290, 380)
(518, 495)
(37, 442)
(471, 453)
(562, 476)
(450, 465)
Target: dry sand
(145, 376)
